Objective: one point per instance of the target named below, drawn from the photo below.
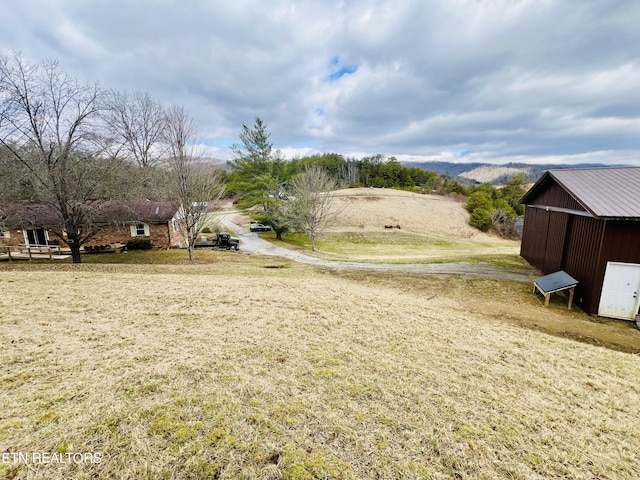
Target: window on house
(140, 230)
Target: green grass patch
(498, 260)
(366, 242)
(397, 246)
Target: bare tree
(195, 185)
(136, 122)
(310, 204)
(350, 172)
(47, 124)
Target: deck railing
(19, 251)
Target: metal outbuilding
(587, 223)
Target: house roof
(607, 192)
(145, 211)
(110, 212)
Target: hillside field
(249, 366)
(241, 366)
(433, 228)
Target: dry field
(233, 368)
(432, 228)
(374, 208)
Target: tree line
(375, 171)
(260, 177)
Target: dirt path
(251, 242)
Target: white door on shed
(620, 291)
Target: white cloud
(497, 80)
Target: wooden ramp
(21, 252)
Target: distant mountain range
(467, 173)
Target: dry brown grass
(233, 370)
(373, 208)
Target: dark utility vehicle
(221, 240)
(225, 240)
(258, 227)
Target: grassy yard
(250, 367)
(398, 246)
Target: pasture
(432, 229)
(146, 366)
(241, 366)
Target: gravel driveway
(251, 242)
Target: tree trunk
(278, 235)
(75, 253)
(73, 240)
(190, 240)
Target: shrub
(138, 244)
(489, 209)
(479, 199)
(481, 218)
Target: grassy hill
(245, 366)
(433, 228)
(231, 368)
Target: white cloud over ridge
(491, 80)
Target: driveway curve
(251, 242)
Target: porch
(52, 252)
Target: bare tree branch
(310, 204)
(46, 127)
(195, 185)
(136, 122)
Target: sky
(497, 81)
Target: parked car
(258, 227)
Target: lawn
(250, 367)
(398, 246)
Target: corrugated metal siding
(534, 236)
(621, 242)
(555, 242)
(543, 239)
(582, 248)
(555, 196)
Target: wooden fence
(24, 252)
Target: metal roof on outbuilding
(607, 192)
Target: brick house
(33, 225)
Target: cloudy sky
(455, 80)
